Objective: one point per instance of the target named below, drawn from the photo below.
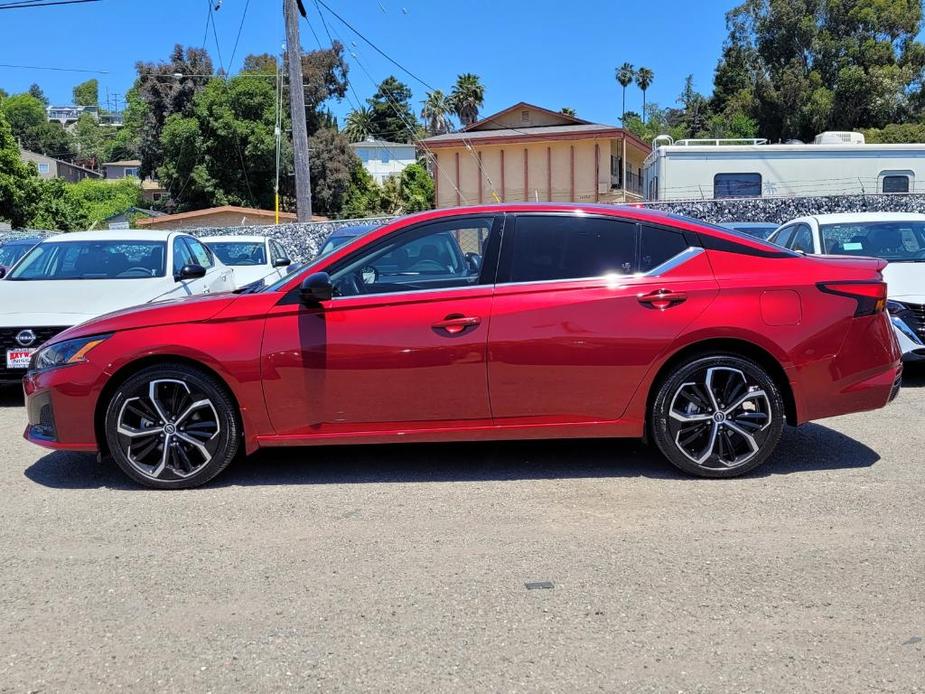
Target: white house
(836, 163)
(383, 159)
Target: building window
(131, 171)
(43, 168)
(895, 183)
(524, 116)
(385, 157)
(737, 185)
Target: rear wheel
(172, 427)
(717, 416)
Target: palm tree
(436, 112)
(644, 79)
(625, 75)
(567, 111)
(359, 124)
(467, 98)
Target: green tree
(625, 74)
(224, 152)
(416, 188)
(163, 94)
(644, 79)
(467, 98)
(896, 133)
(87, 93)
(391, 117)
(29, 124)
(19, 182)
(36, 91)
(359, 124)
(436, 112)
(364, 197)
(797, 67)
(568, 111)
(324, 76)
(332, 164)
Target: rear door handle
(455, 323)
(663, 298)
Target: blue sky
(550, 53)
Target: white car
(254, 258)
(897, 237)
(70, 278)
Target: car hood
(905, 280)
(68, 302)
(191, 309)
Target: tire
(172, 427)
(728, 441)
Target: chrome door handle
(455, 323)
(663, 298)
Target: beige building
(225, 216)
(528, 153)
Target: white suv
(897, 237)
(70, 278)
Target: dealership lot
(404, 568)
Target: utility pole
(303, 187)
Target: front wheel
(717, 416)
(172, 427)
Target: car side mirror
(190, 272)
(282, 262)
(316, 288)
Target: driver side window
(432, 256)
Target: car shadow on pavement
(913, 375)
(810, 448)
(11, 396)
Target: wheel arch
(128, 370)
(736, 347)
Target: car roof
(115, 235)
(231, 238)
(855, 217)
(749, 225)
(21, 241)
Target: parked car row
(491, 322)
(51, 284)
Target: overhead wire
(27, 5)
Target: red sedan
(493, 322)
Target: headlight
(64, 353)
(894, 307)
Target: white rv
(836, 163)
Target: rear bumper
(864, 375)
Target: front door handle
(455, 323)
(663, 298)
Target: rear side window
(658, 245)
(568, 247)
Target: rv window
(895, 184)
(737, 185)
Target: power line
(238, 37)
(25, 5)
(375, 47)
(56, 69)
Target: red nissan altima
(491, 322)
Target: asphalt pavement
(511, 567)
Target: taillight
(870, 295)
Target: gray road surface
(404, 568)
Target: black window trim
(739, 173)
(505, 260)
(487, 277)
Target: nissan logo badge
(25, 337)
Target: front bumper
(60, 405)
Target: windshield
(239, 253)
(10, 253)
(335, 242)
(894, 241)
(92, 260)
